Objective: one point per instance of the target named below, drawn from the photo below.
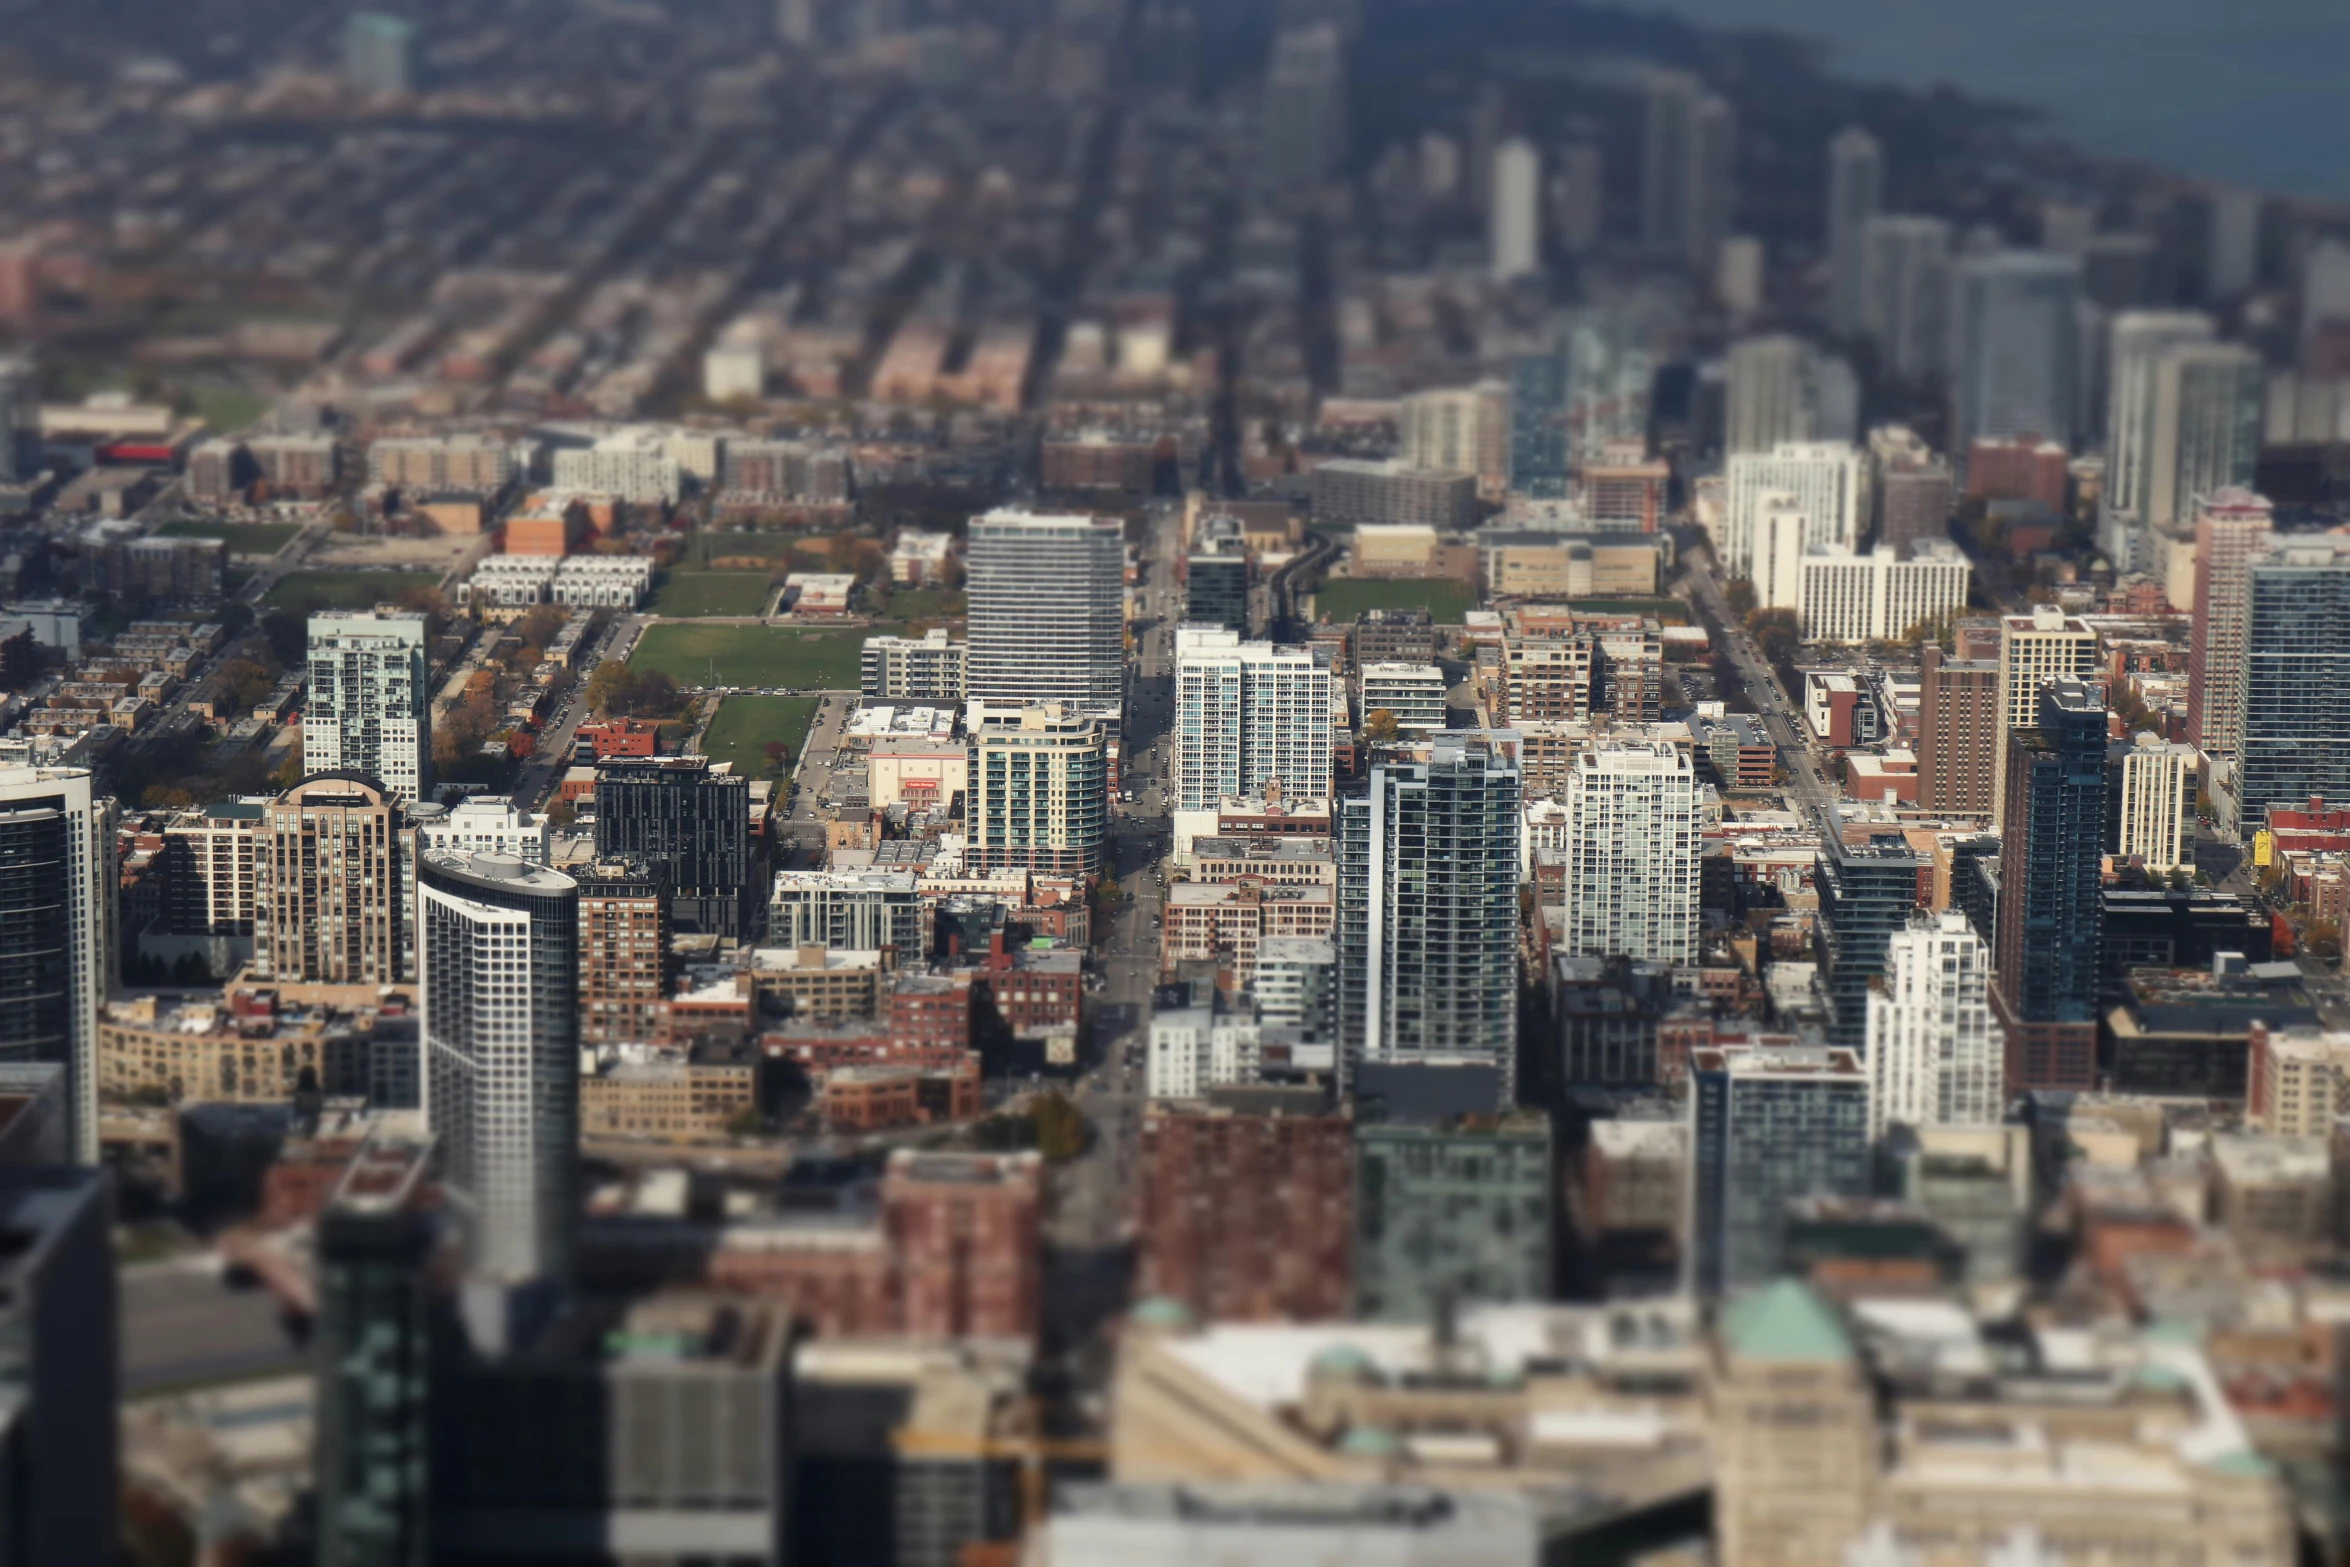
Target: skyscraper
(1632, 852)
(2046, 645)
(1039, 795)
(1774, 393)
(379, 53)
(1856, 189)
(2051, 892)
(332, 900)
(1958, 734)
(1906, 294)
(1516, 219)
(691, 824)
(1248, 714)
(2139, 339)
(1688, 160)
(1047, 608)
(623, 951)
(1768, 1124)
(499, 994)
(1539, 464)
(1867, 891)
(1428, 940)
(1909, 489)
(1459, 429)
(58, 890)
(1826, 480)
(1215, 577)
(2233, 528)
(1303, 126)
(2296, 727)
(1934, 1057)
(2152, 781)
(1452, 1214)
(2015, 347)
(369, 707)
(58, 1350)
(2209, 399)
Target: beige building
(1227, 922)
(917, 772)
(2034, 649)
(666, 1094)
(1281, 862)
(2300, 1081)
(1400, 549)
(816, 982)
(1541, 565)
(334, 899)
(2159, 779)
(245, 1052)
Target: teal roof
(1341, 1360)
(2156, 1377)
(2173, 1330)
(233, 811)
(2244, 1462)
(1369, 1442)
(1786, 1321)
(1161, 1311)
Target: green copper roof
(1161, 1311)
(1786, 1321)
(2156, 1377)
(1342, 1360)
(2173, 1330)
(1369, 1442)
(2244, 1462)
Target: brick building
(1247, 1218)
(967, 1230)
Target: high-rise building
(1411, 694)
(498, 965)
(2050, 912)
(623, 951)
(2139, 340)
(332, 905)
(2209, 399)
(2233, 528)
(1539, 462)
(2046, 645)
(1828, 483)
(2015, 347)
(1958, 734)
(1632, 852)
(1769, 1123)
(1867, 892)
(379, 53)
(212, 878)
(967, 1229)
(58, 1352)
(1880, 596)
(1039, 793)
(1516, 217)
(2152, 817)
(1428, 941)
(1248, 714)
(929, 669)
(1461, 429)
(1452, 1214)
(1774, 393)
(1215, 576)
(2296, 726)
(58, 893)
(372, 1339)
(1934, 1057)
(1906, 296)
(1856, 189)
(1910, 489)
(369, 706)
(19, 397)
(1688, 164)
(482, 824)
(691, 823)
(1303, 124)
(1047, 608)
(1245, 1218)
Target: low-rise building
(672, 1094)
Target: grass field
(744, 725)
(225, 409)
(687, 594)
(928, 604)
(709, 655)
(706, 547)
(308, 592)
(1446, 599)
(244, 538)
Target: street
(1777, 710)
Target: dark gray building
(58, 1503)
(1452, 1214)
(1769, 1124)
(2296, 679)
(695, 826)
(1867, 892)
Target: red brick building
(621, 737)
(1247, 1218)
(967, 1230)
(2024, 469)
(930, 1012)
(877, 1097)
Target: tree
(653, 695)
(608, 688)
(244, 683)
(538, 627)
(432, 603)
(1777, 632)
(1379, 727)
(1060, 1129)
(562, 811)
(1738, 593)
(778, 757)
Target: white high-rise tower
(1935, 1058)
(369, 709)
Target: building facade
(1881, 596)
(2050, 909)
(369, 707)
(929, 669)
(691, 823)
(1047, 608)
(1934, 1056)
(1248, 715)
(1768, 1124)
(1039, 794)
(1452, 1215)
(333, 901)
(1632, 852)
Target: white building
(1414, 693)
(602, 581)
(58, 938)
(1773, 394)
(1782, 529)
(1632, 852)
(1879, 596)
(1934, 1056)
(1296, 990)
(2035, 649)
(1828, 480)
(498, 994)
(1908, 293)
(634, 465)
(918, 557)
(2158, 801)
(369, 705)
(1463, 429)
(512, 581)
(1249, 714)
(930, 668)
(483, 824)
(2139, 339)
(1047, 607)
(1517, 210)
(1194, 1049)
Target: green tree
(1060, 1129)
(1777, 632)
(1738, 593)
(1379, 727)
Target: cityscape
(1156, 783)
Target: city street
(1777, 709)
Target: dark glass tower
(693, 825)
(1867, 892)
(2051, 892)
(2296, 678)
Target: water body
(2252, 92)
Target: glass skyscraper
(2051, 891)
(1868, 892)
(2296, 717)
(1048, 608)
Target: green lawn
(719, 655)
(1447, 599)
(744, 725)
(708, 546)
(928, 604)
(308, 592)
(226, 410)
(688, 594)
(244, 538)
